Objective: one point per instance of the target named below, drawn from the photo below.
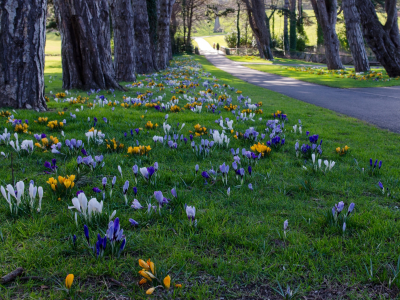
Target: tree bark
(354, 36)
(144, 57)
(85, 44)
(153, 11)
(124, 39)
(326, 14)
(238, 24)
(293, 36)
(257, 20)
(285, 28)
(382, 39)
(22, 42)
(163, 33)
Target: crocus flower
(228, 192)
(249, 169)
(173, 192)
(69, 280)
(136, 204)
(285, 225)
(196, 168)
(380, 185)
(105, 119)
(344, 226)
(96, 190)
(191, 212)
(113, 181)
(133, 222)
(380, 164)
(120, 170)
(250, 186)
(86, 231)
(135, 190)
(205, 175)
(351, 207)
(104, 182)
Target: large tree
(124, 39)
(285, 27)
(326, 14)
(164, 33)
(22, 41)
(382, 39)
(293, 25)
(258, 24)
(144, 55)
(85, 44)
(354, 36)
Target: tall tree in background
(85, 44)
(144, 56)
(124, 39)
(238, 23)
(326, 14)
(173, 27)
(22, 42)
(189, 13)
(354, 36)
(382, 39)
(258, 24)
(164, 41)
(285, 27)
(293, 23)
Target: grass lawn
(217, 39)
(333, 80)
(277, 60)
(238, 250)
(53, 44)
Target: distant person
(214, 46)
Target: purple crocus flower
(150, 171)
(96, 190)
(196, 168)
(113, 181)
(380, 164)
(135, 190)
(137, 130)
(122, 245)
(105, 119)
(173, 192)
(78, 192)
(74, 239)
(131, 132)
(375, 164)
(249, 169)
(370, 162)
(86, 230)
(351, 207)
(104, 182)
(84, 152)
(47, 165)
(125, 134)
(250, 186)
(339, 207)
(125, 187)
(133, 222)
(185, 140)
(135, 170)
(380, 185)
(205, 175)
(191, 137)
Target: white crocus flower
(191, 212)
(40, 192)
(120, 170)
(319, 163)
(94, 206)
(313, 158)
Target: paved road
(379, 106)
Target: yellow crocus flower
(69, 280)
(167, 281)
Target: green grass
(332, 80)
(237, 250)
(277, 60)
(217, 39)
(53, 44)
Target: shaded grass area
(332, 80)
(238, 248)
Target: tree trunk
(354, 36)
(124, 39)
(326, 14)
(285, 28)
(85, 44)
(238, 25)
(173, 28)
(189, 29)
(380, 38)
(22, 42)
(257, 20)
(153, 13)
(163, 33)
(144, 58)
(293, 37)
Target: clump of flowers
(17, 197)
(55, 124)
(60, 95)
(86, 209)
(261, 148)
(342, 151)
(45, 143)
(149, 275)
(338, 217)
(114, 145)
(139, 150)
(26, 145)
(150, 125)
(64, 184)
(96, 135)
(5, 114)
(199, 130)
(21, 128)
(175, 109)
(41, 120)
(89, 161)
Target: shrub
(231, 39)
